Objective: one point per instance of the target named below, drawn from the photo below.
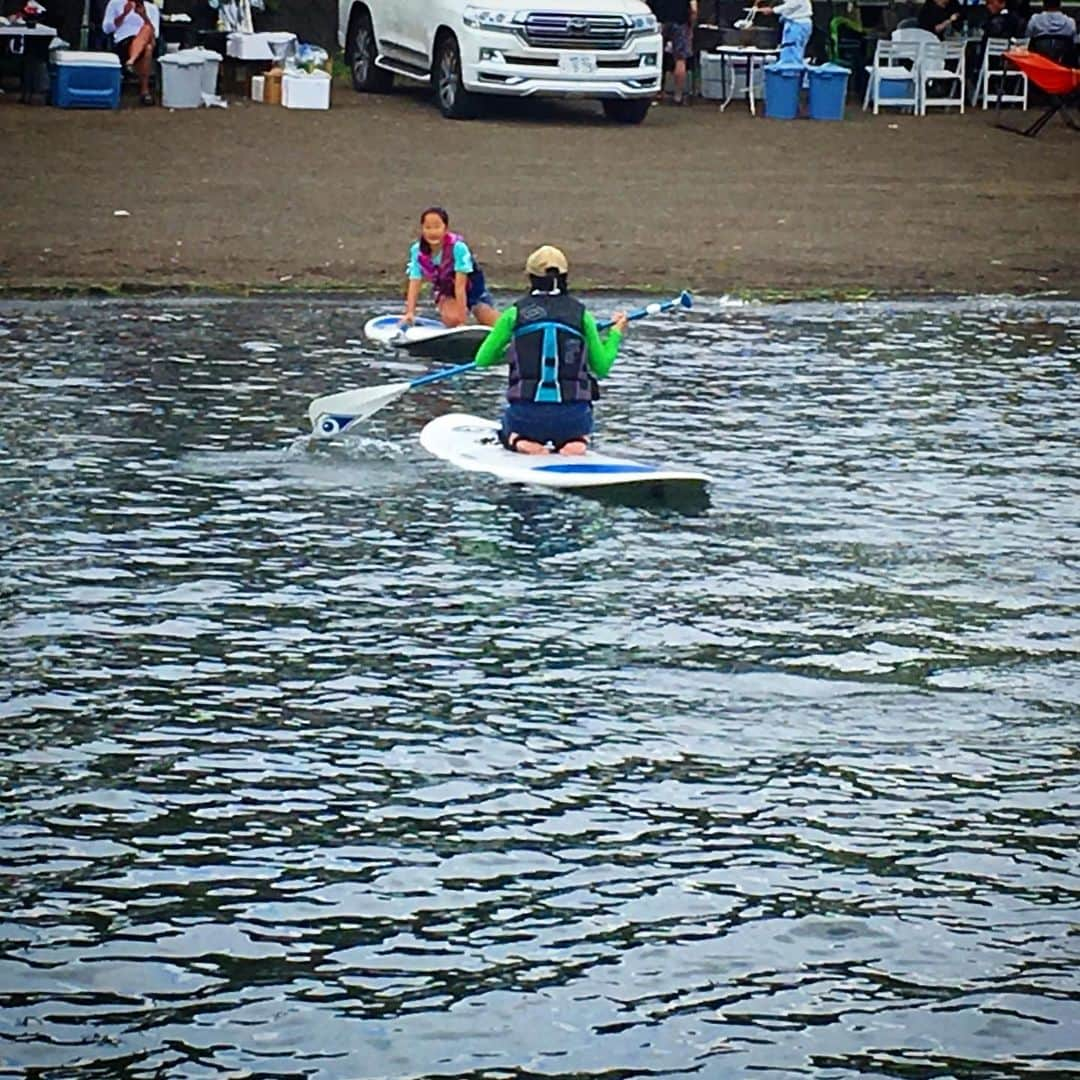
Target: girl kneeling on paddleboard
(557, 355)
(444, 259)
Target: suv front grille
(568, 30)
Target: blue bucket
(782, 85)
(828, 90)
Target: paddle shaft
(336, 413)
(683, 300)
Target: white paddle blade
(332, 414)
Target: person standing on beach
(677, 19)
(796, 19)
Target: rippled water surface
(331, 761)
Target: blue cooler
(895, 88)
(828, 90)
(782, 85)
(84, 80)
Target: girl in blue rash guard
(457, 283)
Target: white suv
(605, 49)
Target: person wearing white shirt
(796, 18)
(134, 25)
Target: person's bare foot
(574, 448)
(526, 446)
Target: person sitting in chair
(134, 26)
(1052, 22)
(1000, 21)
(940, 16)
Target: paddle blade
(331, 415)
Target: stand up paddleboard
(471, 443)
(426, 337)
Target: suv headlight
(482, 18)
(644, 24)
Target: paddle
(334, 414)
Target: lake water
(332, 761)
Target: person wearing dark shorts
(677, 19)
(134, 26)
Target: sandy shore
(256, 197)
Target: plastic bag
(307, 59)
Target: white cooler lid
(62, 57)
(277, 37)
(185, 58)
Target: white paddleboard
(470, 442)
(426, 337)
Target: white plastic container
(181, 80)
(306, 91)
(264, 46)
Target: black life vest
(548, 361)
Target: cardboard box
(272, 89)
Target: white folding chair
(913, 33)
(1012, 85)
(893, 77)
(941, 63)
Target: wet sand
(261, 197)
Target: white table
(39, 53)
(748, 56)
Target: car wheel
(626, 112)
(455, 102)
(363, 49)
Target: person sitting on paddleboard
(556, 354)
(457, 282)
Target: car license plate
(577, 63)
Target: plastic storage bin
(306, 91)
(711, 75)
(267, 45)
(782, 85)
(716, 84)
(828, 90)
(896, 88)
(181, 80)
(84, 80)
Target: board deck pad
(426, 337)
(471, 443)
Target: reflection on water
(331, 761)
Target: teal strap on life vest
(548, 389)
